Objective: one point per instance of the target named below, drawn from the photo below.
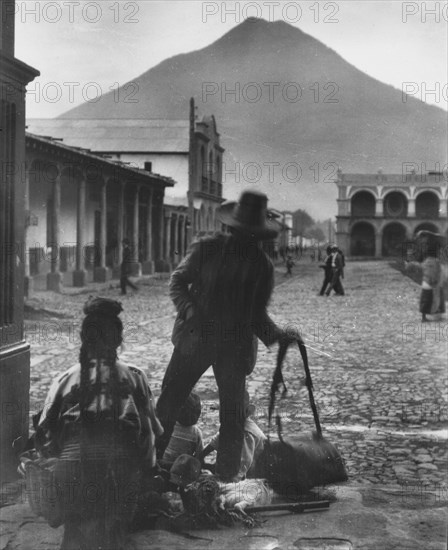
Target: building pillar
(148, 264)
(378, 243)
(187, 222)
(411, 208)
(136, 267)
(159, 263)
(182, 237)
(167, 235)
(28, 280)
(54, 279)
(176, 253)
(379, 208)
(102, 274)
(80, 274)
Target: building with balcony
(379, 213)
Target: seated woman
(99, 420)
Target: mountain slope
(299, 111)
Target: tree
(316, 233)
(301, 222)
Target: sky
(86, 48)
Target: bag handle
(278, 379)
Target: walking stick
(294, 507)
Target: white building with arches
(379, 213)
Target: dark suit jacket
(224, 285)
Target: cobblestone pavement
(379, 374)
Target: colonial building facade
(14, 351)
(379, 213)
(79, 209)
(169, 147)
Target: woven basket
(42, 490)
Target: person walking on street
(336, 271)
(432, 296)
(221, 290)
(125, 268)
(289, 265)
(326, 266)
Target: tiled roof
(48, 141)
(116, 135)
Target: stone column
(80, 274)
(378, 243)
(167, 236)
(379, 208)
(148, 264)
(411, 208)
(161, 231)
(120, 229)
(160, 266)
(176, 253)
(136, 267)
(54, 279)
(102, 274)
(182, 236)
(28, 280)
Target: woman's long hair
(101, 335)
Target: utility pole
(191, 161)
(329, 230)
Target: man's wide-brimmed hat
(249, 216)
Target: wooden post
(191, 173)
(148, 264)
(54, 279)
(79, 276)
(120, 228)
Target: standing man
(125, 268)
(221, 290)
(326, 266)
(336, 272)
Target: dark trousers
(336, 283)
(124, 282)
(327, 281)
(183, 371)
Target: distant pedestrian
(326, 266)
(336, 271)
(125, 269)
(342, 261)
(289, 265)
(432, 298)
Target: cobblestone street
(379, 374)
